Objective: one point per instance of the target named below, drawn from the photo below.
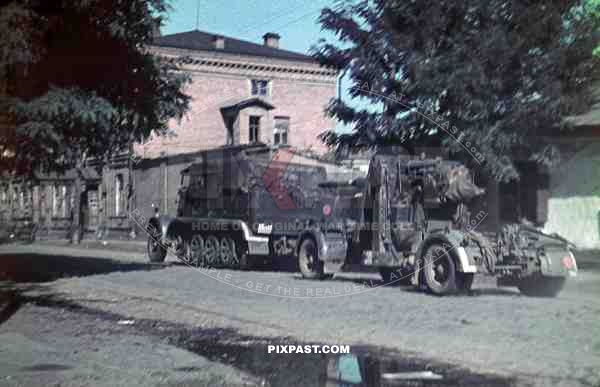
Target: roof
(200, 40)
(248, 102)
(87, 173)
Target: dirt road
(185, 326)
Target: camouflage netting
(458, 184)
(440, 181)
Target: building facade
(245, 93)
(242, 93)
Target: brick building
(242, 93)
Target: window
(280, 133)
(21, 199)
(254, 129)
(26, 201)
(59, 202)
(260, 87)
(4, 200)
(118, 194)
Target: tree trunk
(130, 189)
(76, 209)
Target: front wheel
(309, 263)
(539, 286)
(155, 250)
(439, 272)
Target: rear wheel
(228, 252)
(439, 271)
(308, 260)
(211, 250)
(196, 251)
(538, 286)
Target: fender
(159, 227)
(257, 245)
(331, 248)
(463, 263)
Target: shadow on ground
(30, 267)
(373, 283)
(364, 366)
(588, 260)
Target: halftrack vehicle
(408, 218)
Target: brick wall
(302, 98)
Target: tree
(79, 82)
(591, 8)
(486, 78)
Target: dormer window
(254, 129)
(260, 88)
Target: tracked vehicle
(408, 218)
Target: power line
(278, 13)
(197, 14)
(297, 20)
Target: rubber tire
(159, 254)
(466, 281)
(179, 249)
(246, 262)
(317, 271)
(399, 278)
(453, 283)
(538, 286)
(186, 258)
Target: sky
(294, 20)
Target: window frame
(281, 131)
(252, 126)
(59, 200)
(119, 182)
(266, 90)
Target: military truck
(236, 207)
(408, 218)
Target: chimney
(219, 42)
(271, 39)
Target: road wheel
(308, 260)
(179, 246)
(439, 271)
(155, 250)
(196, 248)
(211, 250)
(538, 286)
(227, 251)
(394, 275)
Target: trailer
(416, 228)
(407, 218)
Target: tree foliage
(78, 80)
(489, 79)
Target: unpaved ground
(538, 341)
